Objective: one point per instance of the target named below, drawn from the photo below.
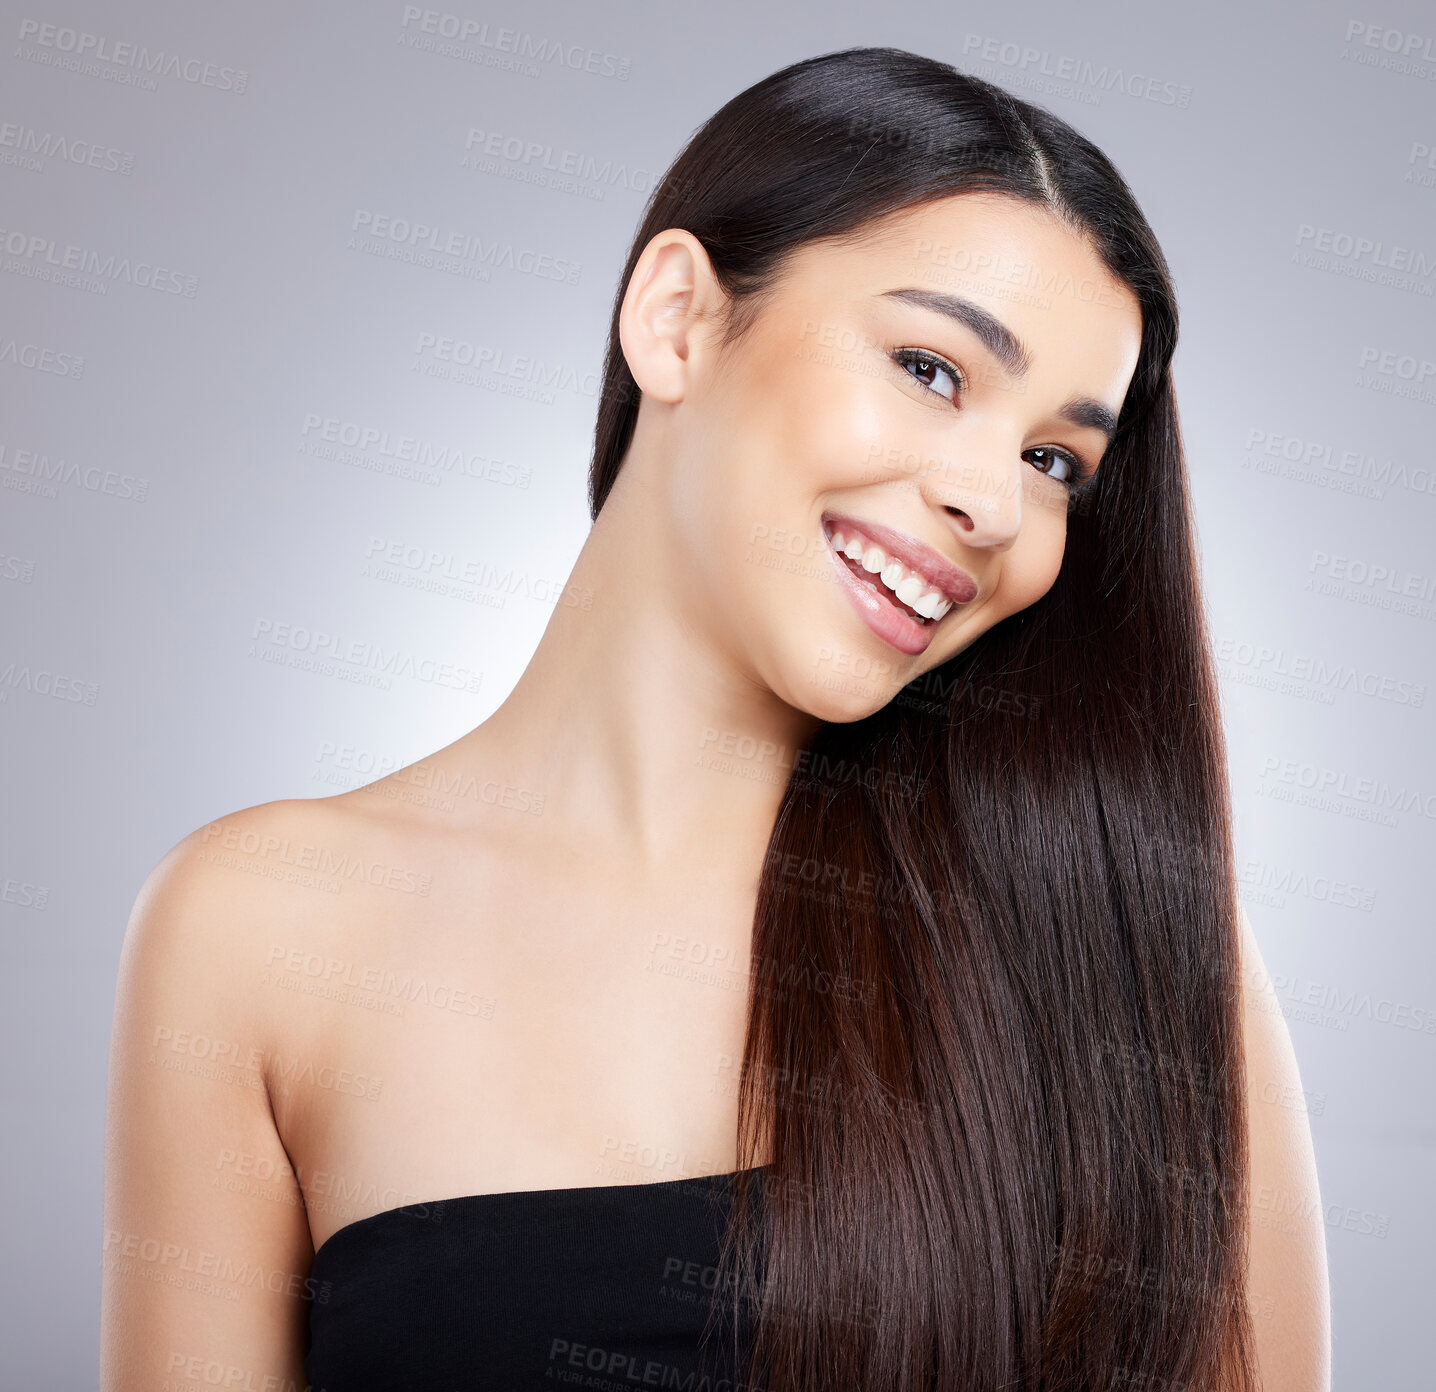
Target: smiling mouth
(906, 589)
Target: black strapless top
(604, 1286)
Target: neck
(637, 718)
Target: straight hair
(1009, 1131)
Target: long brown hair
(1011, 1151)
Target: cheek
(791, 429)
(827, 425)
(743, 497)
(1031, 566)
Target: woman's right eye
(930, 371)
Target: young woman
(824, 970)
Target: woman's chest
(546, 1040)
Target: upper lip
(954, 582)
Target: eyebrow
(1009, 350)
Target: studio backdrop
(302, 310)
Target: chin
(837, 708)
(839, 684)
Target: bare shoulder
(194, 1268)
(1288, 1279)
(213, 895)
(218, 894)
(218, 1046)
(255, 887)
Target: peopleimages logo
(480, 145)
(517, 374)
(1026, 61)
(359, 442)
(1371, 251)
(1298, 670)
(64, 47)
(1406, 366)
(44, 254)
(1394, 50)
(40, 357)
(474, 40)
(421, 237)
(34, 471)
(31, 146)
(331, 654)
(1352, 471)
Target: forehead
(1015, 259)
(992, 247)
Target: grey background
(170, 496)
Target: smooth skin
(520, 963)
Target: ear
(672, 296)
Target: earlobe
(665, 303)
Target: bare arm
(200, 1272)
(1289, 1291)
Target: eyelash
(1081, 471)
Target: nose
(981, 492)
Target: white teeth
(910, 591)
(909, 587)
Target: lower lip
(891, 624)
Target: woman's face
(880, 469)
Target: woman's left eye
(930, 370)
(1061, 460)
